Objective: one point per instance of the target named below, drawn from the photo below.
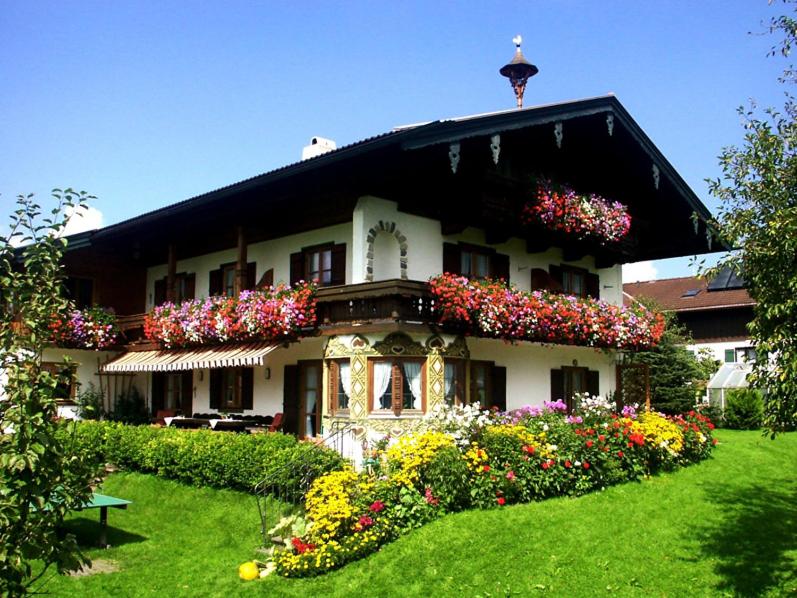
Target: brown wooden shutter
(557, 385)
(250, 276)
(397, 387)
(160, 291)
(158, 389)
(290, 399)
(297, 267)
(556, 274)
(452, 258)
(338, 264)
(498, 390)
(187, 388)
(332, 385)
(267, 280)
(247, 387)
(190, 286)
(500, 266)
(540, 279)
(215, 388)
(593, 382)
(592, 285)
(215, 282)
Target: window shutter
(452, 258)
(500, 266)
(539, 279)
(730, 355)
(556, 278)
(250, 276)
(215, 388)
(397, 384)
(247, 388)
(297, 267)
(190, 286)
(160, 291)
(557, 385)
(267, 280)
(339, 264)
(593, 382)
(332, 385)
(158, 388)
(592, 284)
(215, 282)
(187, 388)
(498, 398)
(290, 399)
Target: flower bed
(494, 310)
(92, 328)
(460, 459)
(279, 313)
(560, 208)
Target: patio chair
(161, 414)
(276, 423)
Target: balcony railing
(397, 300)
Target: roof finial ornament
(518, 71)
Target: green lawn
(725, 527)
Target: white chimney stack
(318, 146)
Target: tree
(41, 479)
(758, 215)
(677, 377)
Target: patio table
(103, 502)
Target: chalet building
(716, 312)
(372, 222)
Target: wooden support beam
(171, 275)
(537, 244)
(495, 235)
(240, 264)
(574, 253)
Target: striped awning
(174, 360)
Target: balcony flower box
(494, 310)
(93, 328)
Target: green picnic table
(102, 502)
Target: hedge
(206, 458)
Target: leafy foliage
(758, 190)
(41, 479)
(677, 377)
(744, 409)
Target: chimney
(318, 146)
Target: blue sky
(147, 103)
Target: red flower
(376, 506)
(620, 454)
(568, 464)
(501, 500)
(601, 437)
(589, 444)
(586, 464)
(485, 468)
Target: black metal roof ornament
(518, 71)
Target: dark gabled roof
(687, 293)
(433, 133)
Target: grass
(727, 526)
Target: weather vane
(518, 71)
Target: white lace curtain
(345, 379)
(383, 371)
(449, 377)
(412, 371)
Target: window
(339, 385)
(173, 391)
(568, 381)
(323, 264)
(231, 389)
(310, 398)
(454, 382)
(222, 280)
(745, 354)
(397, 385)
(566, 279)
(66, 387)
(80, 291)
(474, 261)
(183, 288)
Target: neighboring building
(716, 313)
(372, 222)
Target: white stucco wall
(528, 367)
(425, 249)
(718, 349)
(274, 253)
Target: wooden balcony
(396, 301)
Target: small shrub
(744, 409)
(89, 403)
(130, 408)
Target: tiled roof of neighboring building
(687, 293)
